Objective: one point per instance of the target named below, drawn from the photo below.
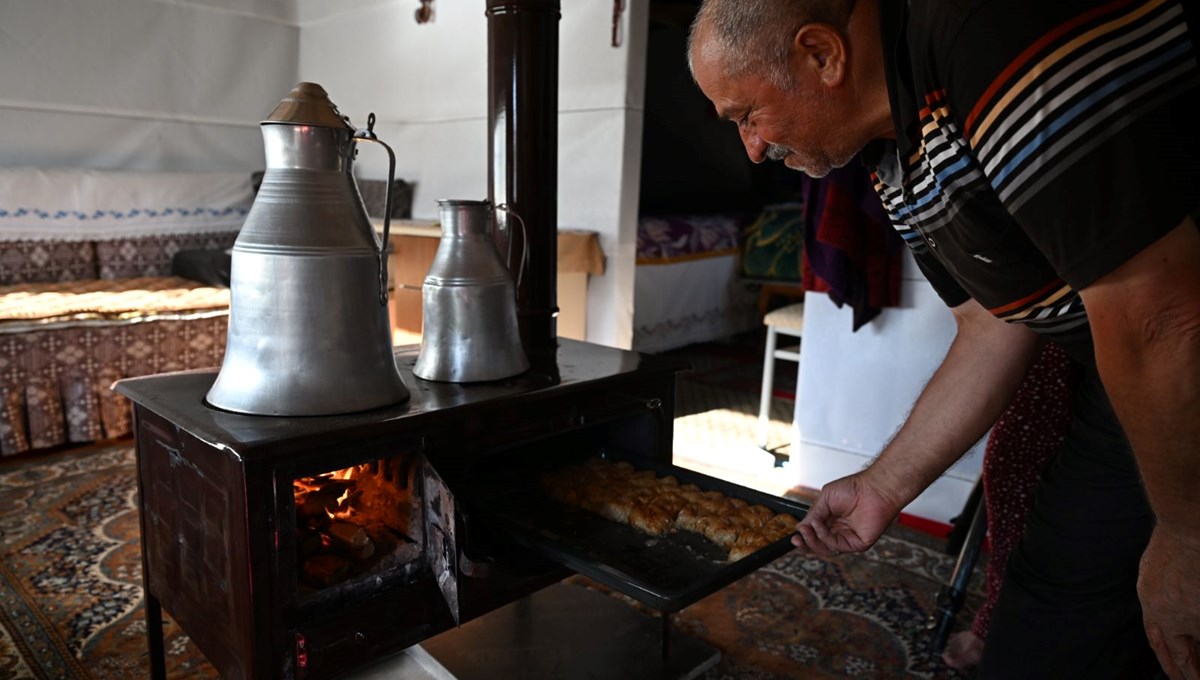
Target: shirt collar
(894, 17)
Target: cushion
(151, 255)
(774, 244)
(41, 261)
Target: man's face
(796, 126)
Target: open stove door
(441, 548)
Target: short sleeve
(943, 283)
(1082, 116)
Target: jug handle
(368, 135)
(504, 207)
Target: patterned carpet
(70, 571)
(70, 597)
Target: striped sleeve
(1083, 122)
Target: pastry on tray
(661, 505)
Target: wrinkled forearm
(1152, 375)
(1145, 318)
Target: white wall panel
(282, 11)
(308, 11)
(64, 140)
(421, 149)
(595, 154)
(593, 74)
(375, 57)
(198, 70)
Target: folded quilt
(38, 306)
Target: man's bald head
(755, 36)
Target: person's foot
(963, 650)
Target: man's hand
(1167, 589)
(849, 516)
(968, 392)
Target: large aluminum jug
(469, 303)
(308, 319)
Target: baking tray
(666, 573)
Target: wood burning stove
(303, 547)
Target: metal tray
(666, 573)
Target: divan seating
(87, 296)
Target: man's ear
(820, 51)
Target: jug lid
(308, 104)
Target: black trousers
(1068, 607)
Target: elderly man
(1042, 161)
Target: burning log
(318, 497)
(349, 534)
(353, 539)
(362, 515)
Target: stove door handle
(607, 411)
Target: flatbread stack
(661, 505)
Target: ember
(357, 520)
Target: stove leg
(154, 635)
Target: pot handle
(368, 135)
(505, 208)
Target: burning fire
(348, 519)
(344, 509)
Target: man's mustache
(777, 152)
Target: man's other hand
(1167, 586)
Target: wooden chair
(787, 321)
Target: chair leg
(768, 384)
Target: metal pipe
(523, 154)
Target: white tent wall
(427, 85)
(142, 84)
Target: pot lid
(308, 104)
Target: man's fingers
(1178, 654)
(811, 541)
(808, 540)
(1185, 653)
(1155, 637)
(822, 531)
(818, 512)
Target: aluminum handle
(368, 135)
(504, 207)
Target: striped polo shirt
(1040, 144)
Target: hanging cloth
(851, 250)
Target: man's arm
(974, 384)
(1145, 318)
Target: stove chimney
(523, 154)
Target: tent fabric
(90, 205)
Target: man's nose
(756, 148)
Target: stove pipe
(523, 154)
